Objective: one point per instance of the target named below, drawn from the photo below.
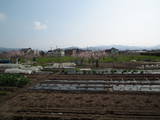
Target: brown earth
(46, 105)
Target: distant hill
(102, 47)
(2, 49)
(122, 47)
(73, 47)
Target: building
(73, 51)
(112, 51)
(57, 52)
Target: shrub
(3, 92)
(113, 71)
(94, 72)
(84, 72)
(134, 71)
(124, 71)
(141, 72)
(16, 80)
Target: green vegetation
(3, 92)
(44, 60)
(22, 60)
(113, 71)
(141, 72)
(128, 58)
(134, 71)
(92, 61)
(116, 58)
(16, 80)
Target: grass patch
(44, 60)
(16, 80)
(128, 58)
(3, 92)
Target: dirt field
(62, 105)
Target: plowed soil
(61, 105)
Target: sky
(44, 24)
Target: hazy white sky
(64, 23)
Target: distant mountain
(2, 49)
(102, 47)
(156, 47)
(73, 47)
(122, 47)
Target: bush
(113, 71)
(84, 72)
(66, 72)
(3, 92)
(141, 72)
(16, 80)
(124, 71)
(134, 71)
(94, 72)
